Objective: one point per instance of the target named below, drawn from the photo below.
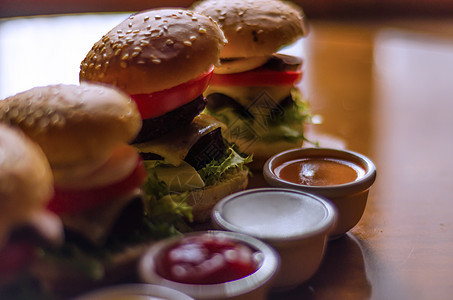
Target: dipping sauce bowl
(341, 176)
(212, 265)
(296, 224)
(139, 291)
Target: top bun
(154, 50)
(255, 28)
(73, 124)
(26, 182)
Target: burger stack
(254, 89)
(164, 59)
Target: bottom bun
(203, 200)
(67, 280)
(262, 151)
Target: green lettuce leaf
(285, 124)
(163, 206)
(232, 162)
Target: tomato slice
(66, 201)
(257, 77)
(158, 103)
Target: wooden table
(382, 88)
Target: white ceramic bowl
(252, 287)
(295, 223)
(139, 291)
(349, 198)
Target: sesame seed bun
(154, 50)
(255, 28)
(26, 182)
(73, 124)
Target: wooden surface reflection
(384, 89)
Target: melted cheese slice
(181, 178)
(240, 64)
(173, 147)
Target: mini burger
(26, 186)
(253, 90)
(164, 60)
(84, 131)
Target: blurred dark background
(327, 9)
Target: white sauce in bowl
(274, 213)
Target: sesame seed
(136, 31)
(135, 54)
(131, 17)
(188, 43)
(169, 42)
(148, 27)
(117, 52)
(202, 30)
(125, 57)
(157, 17)
(13, 113)
(43, 123)
(156, 61)
(130, 24)
(194, 19)
(38, 113)
(147, 33)
(29, 121)
(129, 31)
(146, 18)
(119, 31)
(193, 38)
(56, 119)
(98, 67)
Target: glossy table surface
(381, 88)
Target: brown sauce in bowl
(319, 171)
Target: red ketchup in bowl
(206, 260)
